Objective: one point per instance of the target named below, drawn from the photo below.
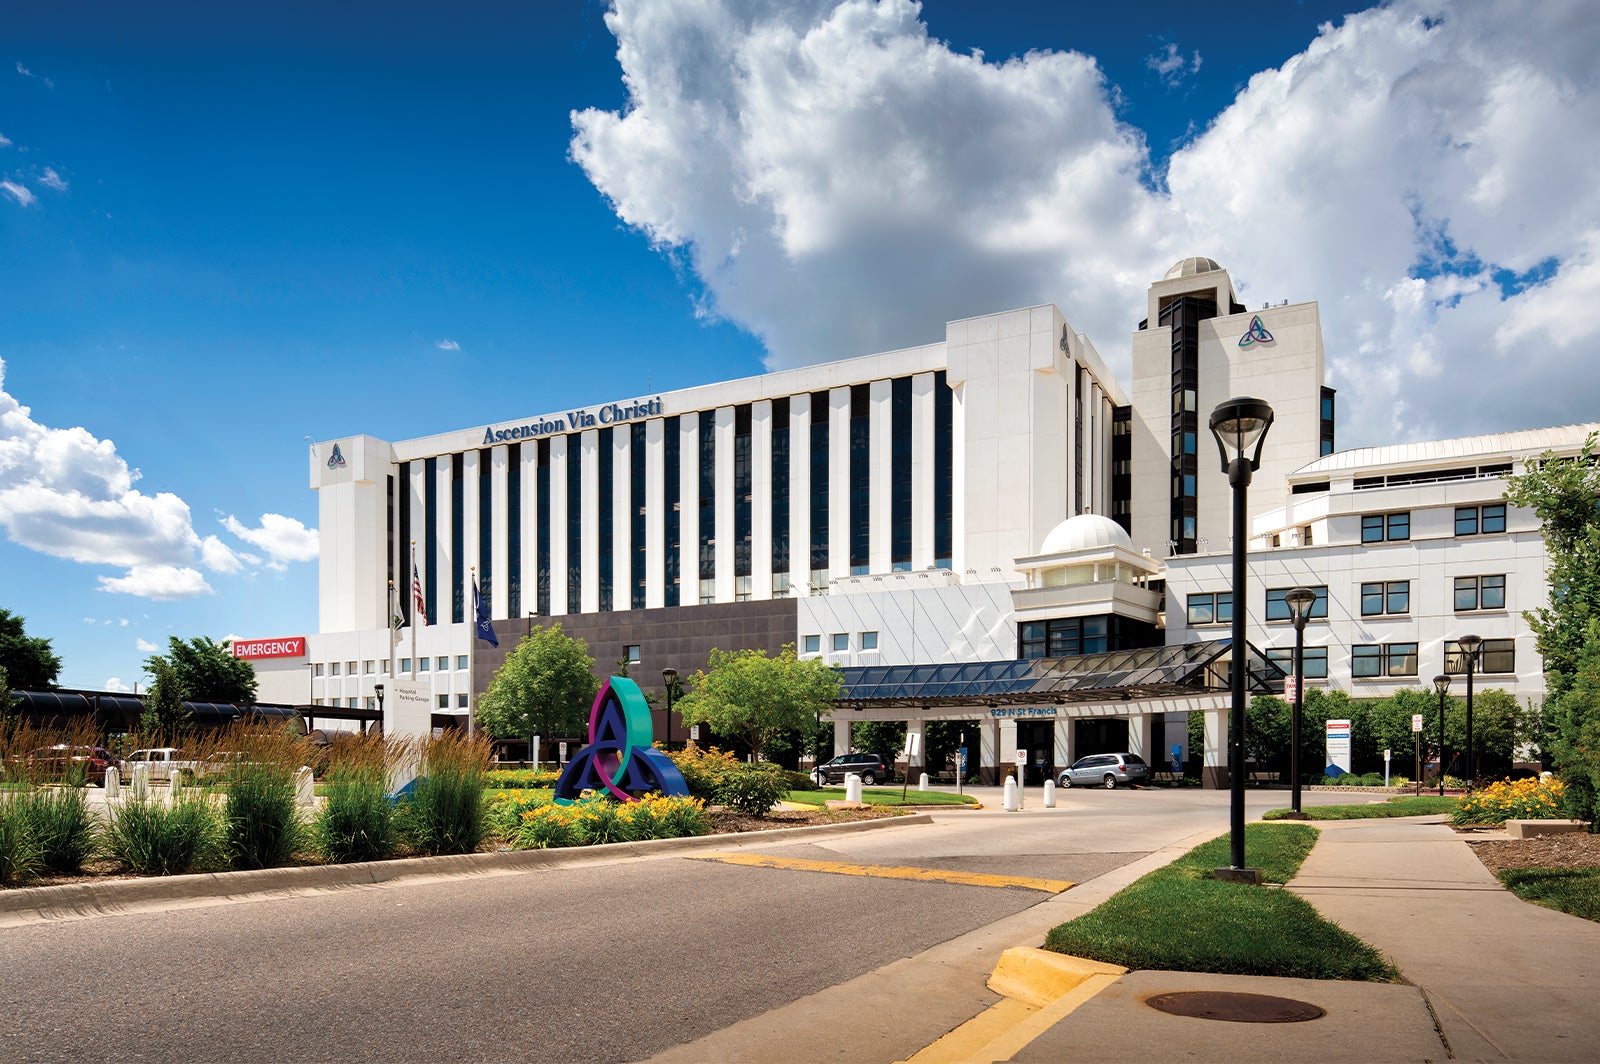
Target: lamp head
(1470, 645)
(1441, 683)
(1300, 601)
(378, 689)
(1240, 425)
(669, 676)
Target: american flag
(417, 600)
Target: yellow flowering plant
(1524, 799)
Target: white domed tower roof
(1191, 266)
(1083, 532)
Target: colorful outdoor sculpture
(620, 758)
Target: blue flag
(485, 629)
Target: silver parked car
(1106, 770)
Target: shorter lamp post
(669, 676)
(377, 689)
(1441, 683)
(1240, 427)
(1470, 645)
(1300, 601)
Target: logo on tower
(1256, 334)
(336, 460)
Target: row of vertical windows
(783, 453)
(1480, 520)
(403, 585)
(1378, 598)
(1378, 528)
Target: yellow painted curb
(926, 875)
(1039, 990)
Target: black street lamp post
(669, 676)
(377, 689)
(1300, 601)
(1441, 683)
(1471, 647)
(1240, 426)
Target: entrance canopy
(1180, 671)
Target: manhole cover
(1240, 1008)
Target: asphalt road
(610, 962)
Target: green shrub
(546, 827)
(601, 820)
(519, 779)
(505, 808)
(65, 831)
(679, 818)
(20, 853)
(704, 770)
(357, 819)
(1577, 801)
(751, 789)
(154, 837)
(445, 812)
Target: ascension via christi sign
(574, 421)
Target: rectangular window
(860, 478)
(1376, 528)
(542, 521)
(900, 473)
(333, 668)
(671, 500)
(443, 701)
(1381, 597)
(743, 487)
(1485, 520)
(813, 644)
(458, 544)
(605, 506)
(316, 670)
(486, 529)
(869, 640)
(351, 671)
(636, 475)
(1211, 608)
(943, 471)
(405, 664)
(1031, 636)
(1372, 660)
(630, 653)
(708, 506)
(841, 642)
(1496, 655)
(422, 664)
(1315, 660)
(1481, 592)
(461, 701)
(780, 495)
(461, 661)
(819, 489)
(430, 536)
(574, 523)
(367, 667)
(514, 530)
(1278, 603)
(403, 583)
(442, 663)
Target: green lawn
(1403, 805)
(1568, 890)
(1180, 918)
(884, 796)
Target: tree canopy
(1565, 495)
(28, 661)
(746, 695)
(206, 671)
(544, 688)
(164, 718)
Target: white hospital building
(996, 501)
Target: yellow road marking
(928, 875)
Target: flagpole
(472, 649)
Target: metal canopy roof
(1120, 675)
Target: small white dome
(1083, 532)
(1191, 266)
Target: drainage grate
(1239, 1008)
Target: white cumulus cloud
(144, 646)
(1426, 170)
(68, 494)
(283, 538)
(447, 345)
(1170, 64)
(114, 683)
(51, 179)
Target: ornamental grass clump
(356, 822)
(445, 811)
(20, 853)
(1524, 799)
(262, 824)
(65, 830)
(156, 837)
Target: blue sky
(225, 229)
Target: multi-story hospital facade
(994, 498)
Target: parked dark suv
(870, 767)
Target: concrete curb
(75, 900)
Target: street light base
(1239, 875)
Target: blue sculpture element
(620, 758)
(1257, 333)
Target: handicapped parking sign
(1177, 757)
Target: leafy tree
(28, 661)
(1580, 703)
(545, 688)
(164, 716)
(886, 738)
(1565, 495)
(5, 707)
(943, 739)
(746, 695)
(207, 671)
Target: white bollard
(113, 782)
(305, 791)
(922, 782)
(175, 784)
(852, 787)
(1049, 794)
(141, 782)
(1010, 801)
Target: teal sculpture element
(620, 758)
